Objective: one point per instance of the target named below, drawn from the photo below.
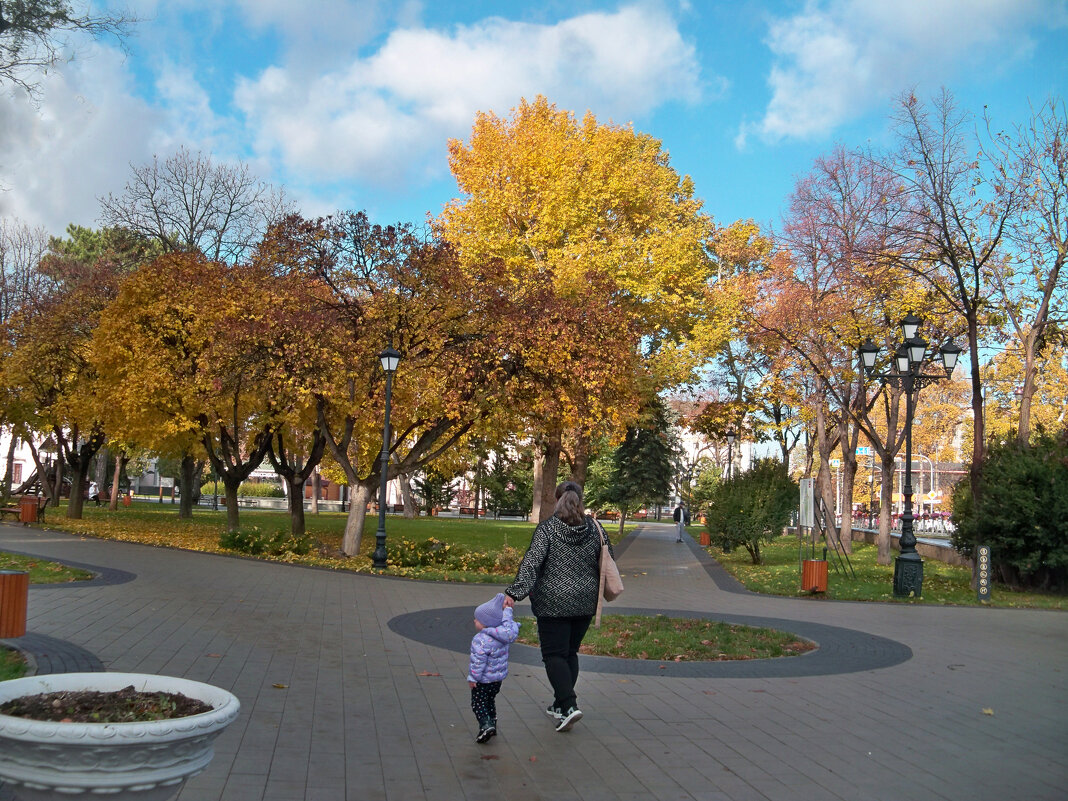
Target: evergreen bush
(1022, 513)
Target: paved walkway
(353, 687)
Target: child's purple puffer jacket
(489, 651)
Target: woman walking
(560, 572)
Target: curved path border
(840, 650)
(46, 654)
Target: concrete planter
(45, 761)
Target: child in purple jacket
(489, 661)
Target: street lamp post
(730, 454)
(908, 364)
(389, 358)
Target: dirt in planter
(90, 706)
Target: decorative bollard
(983, 588)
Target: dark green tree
(639, 472)
(1022, 513)
(509, 484)
(752, 508)
(435, 488)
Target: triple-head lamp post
(390, 358)
(909, 361)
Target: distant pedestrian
(561, 573)
(682, 519)
(489, 661)
(94, 493)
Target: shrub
(260, 489)
(1022, 513)
(752, 508)
(256, 542)
(450, 556)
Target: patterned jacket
(561, 569)
(489, 651)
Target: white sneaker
(569, 719)
(554, 713)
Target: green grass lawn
(942, 584)
(479, 550)
(668, 639)
(42, 571)
(12, 665)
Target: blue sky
(350, 105)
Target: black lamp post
(730, 454)
(389, 358)
(907, 373)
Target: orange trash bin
(28, 509)
(814, 575)
(14, 594)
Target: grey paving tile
(893, 711)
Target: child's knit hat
(491, 613)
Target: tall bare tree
(190, 202)
(951, 232)
(1032, 162)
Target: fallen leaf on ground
(426, 673)
(490, 756)
(215, 656)
(280, 686)
(988, 711)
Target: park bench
(470, 510)
(15, 510)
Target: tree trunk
(186, 480)
(1023, 433)
(360, 494)
(823, 477)
(10, 462)
(101, 465)
(581, 463)
(317, 488)
(539, 461)
(849, 477)
(622, 520)
(550, 471)
(233, 517)
(79, 455)
(975, 471)
(120, 462)
(886, 500)
(77, 492)
(410, 511)
(296, 504)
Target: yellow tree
(577, 216)
(190, 349)
(52, 386)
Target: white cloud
(838, 59)
(57, 158)
(387, 116)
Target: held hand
(471, 684)
(509, 601)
